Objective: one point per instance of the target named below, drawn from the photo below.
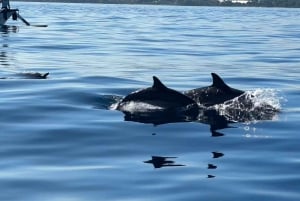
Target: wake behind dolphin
(260, 104)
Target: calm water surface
(58, 140)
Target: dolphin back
(158, 96)
(218, 92)
(219, 83)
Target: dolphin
(217, 93)
(33, 75)
(158, 98)
(29, 76)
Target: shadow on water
(5, 29)
(3, 53)
(3, 56)
(216, 118)
(162, 161)
(211, 117)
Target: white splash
(262, 97)
(260, 104)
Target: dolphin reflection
(160, 161)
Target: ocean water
(60, 141)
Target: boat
(6, 12)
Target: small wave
(108, 102)
(263, 97)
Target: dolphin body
(217, 93)
(159, 98)
(29, 76)
(33, 75)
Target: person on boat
(5, 4)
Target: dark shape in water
(8, 29)
(29, 76)
(160, 161)
(217, 93)
(210, 117)
(214, 133)
(159, 98)
(217, 154)
(214, 119)
(33, 75)
(158, 117)
(211, 166)
(171, 106)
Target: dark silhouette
(217, 154)
(160, 161)
(33, 75)
(217, 93)
(5, 29)
(214, 119)
(252, 3)
(210, 117)
(233, 106)
(28, 75)
(221, 106)
(274, 3)
(211, 166)
(158, 117)
(157, 98)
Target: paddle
(28, 24)
(23, 20)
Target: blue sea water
(59, 140)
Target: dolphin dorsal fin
(218, 82)
(157, 84)
(45, 75)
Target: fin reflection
(161, 161)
